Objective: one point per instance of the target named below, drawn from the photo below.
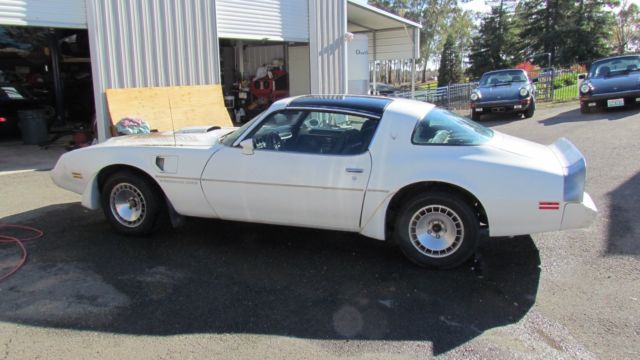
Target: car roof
(501, 70)
(617, 57)
(372, 105)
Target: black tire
(584, 109)
(429, 210)
(142, 195)
(528, 114)
(475, 116)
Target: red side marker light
(548, 205)
(3, 119)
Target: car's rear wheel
(530, 110)
(131, 203)
(437, 230)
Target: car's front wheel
(530, 110)
(584, 108)
(438, 230)
(131, 203)
(475, 116)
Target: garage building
(322, 46)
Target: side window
(442, 127)
(315, 132)
(276, 131)
(334, 133)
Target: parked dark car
(504, 91)
(12, 99)
(611, 82)
(385, 89)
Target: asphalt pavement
(217, 289)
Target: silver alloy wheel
(436, 231)
(128, 205)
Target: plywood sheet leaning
(169, 108)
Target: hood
(195, 137)
(527, 153)
(501, 92)
(626, 82)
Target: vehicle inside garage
(46, 88)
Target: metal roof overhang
(367, 18)
(391, 37)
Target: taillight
(2, 119)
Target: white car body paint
(509, 177)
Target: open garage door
(70, 14)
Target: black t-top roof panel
(373, 105)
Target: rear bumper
(579, 215)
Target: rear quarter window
(442, 127)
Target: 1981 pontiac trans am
(390, 169)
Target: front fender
(91, 194)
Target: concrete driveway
(232, 290)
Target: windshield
(229, 138)
(503, 77)
(442, 127)
(616, 66)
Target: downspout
(375, 64)
(413, 65)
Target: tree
(496, 44)
(571, 30)
(626, 34)
(450, 70)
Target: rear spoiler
(574, 168)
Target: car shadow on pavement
(225, 277)
(623, 229)
(492, 119)
(574, 115)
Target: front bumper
(579, 215)
(501, 106)
(630, 97)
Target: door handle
(354, 170)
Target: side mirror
(582, 76)
(534, 80)
(247, 146)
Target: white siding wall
(327, 46)
(286, 20)
(49, 13)
(141, 43)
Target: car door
(307, 168)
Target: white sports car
(390, 169)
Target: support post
(54, 50)
(375, 66)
